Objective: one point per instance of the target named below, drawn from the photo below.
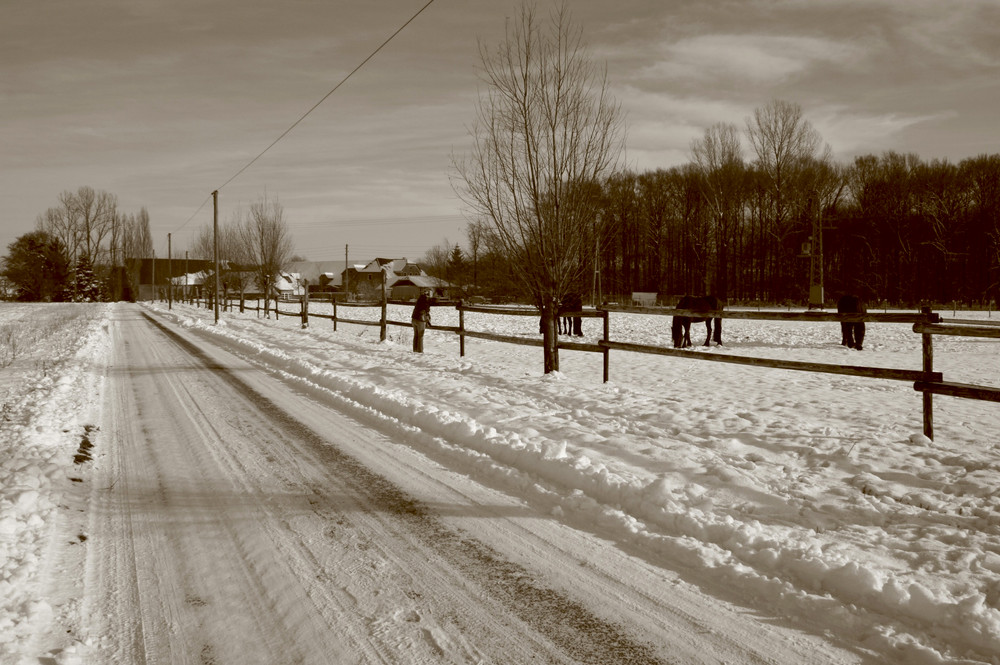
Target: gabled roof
(422, 281)
(191, 279)
(288, 281)
(392, 265)
(312, 270)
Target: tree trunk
(550, 339)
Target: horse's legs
(859, 335)
(718, 331)
(708, 332)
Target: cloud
(756, 59)
(850, 132)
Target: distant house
(190, 283)
(319, 276)
(155, 274)
(410, 287)
(369, 277)
(288, 286)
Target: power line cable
(344, 80)
(207, 199)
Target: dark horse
(681, 326)
(852, 333)
(571, 325)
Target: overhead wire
(313, 108)
(333, 90)
(207, 199)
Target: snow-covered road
(174, 489)
(233, 519)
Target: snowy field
(811, 497)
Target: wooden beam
(951, 389)
(960, 331)
(850, 370)
(779, 316)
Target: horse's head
(677, 331)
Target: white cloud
(851, 133)
(752, 58)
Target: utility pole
(347, 274)
(186, 273)
(154, 275)
(215, 249)
(170, 274)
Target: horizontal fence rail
(965, 390)
(773, 363)
(957, 330)
(811, 317)
(930, 387)
(925, 323)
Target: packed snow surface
(812, 497)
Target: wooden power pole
(215, 248)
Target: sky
(161, 103)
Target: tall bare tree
(266, 242)
(786, 145)
(546, 127)
(137, 244)
(475, 233)
(719, 156)
(82, 222)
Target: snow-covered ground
(812, 497)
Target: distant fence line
(927, 323)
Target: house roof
(288, 281)
(422, 281)
(191, 278)
(311, 270)
(393, 265)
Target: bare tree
(786, 145)
(475, 233)
(435, 260)
(719, 157)
(137, 244)
(546, 127)
(266, 242)
(82, 222)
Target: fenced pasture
(900, 345)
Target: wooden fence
(925, 380)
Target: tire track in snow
(577, 632)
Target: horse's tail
(717, 304)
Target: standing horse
(852, 333)
(571, 325)
(681, 326)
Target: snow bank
(49, 395)
(811, 495)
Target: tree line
(895, 227)
(86, 249)
(83, 249)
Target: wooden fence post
(305, 306)
(384, 306)
(606, 352)
(927, 347)
(334, 315)
(461, 330)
